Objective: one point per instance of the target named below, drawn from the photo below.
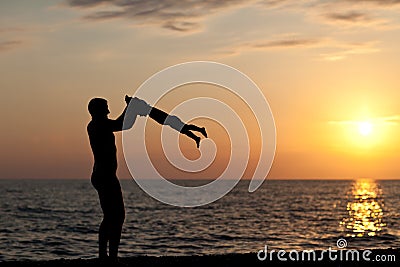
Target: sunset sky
(329, 70)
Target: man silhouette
(104, 179)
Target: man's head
(98, 107)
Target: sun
(365, 128)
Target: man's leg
(104, 225)
(103, 240)
(115, 238)
(118, 217)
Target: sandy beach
(391, 257)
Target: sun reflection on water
(364, 210)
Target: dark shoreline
(250, 259)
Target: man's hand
(139, 106)
(128, 99)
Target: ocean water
(48, 219)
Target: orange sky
(324, 67)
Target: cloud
(394, 119)
(9, 45)
(182, 26)
(187, 16)
(275, 3)
(286, 43)
(375, 2)
(175, 15)
(351, 16)
(355, 13)
(11, 29)
(345, 50)
(104, 15)
(86, 3)
(336, 50)
(386, 120)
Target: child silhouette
(163, 118)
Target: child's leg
(193, 136)
(174, 122)
(158, 115)
(192, 127)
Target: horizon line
(206, 179)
